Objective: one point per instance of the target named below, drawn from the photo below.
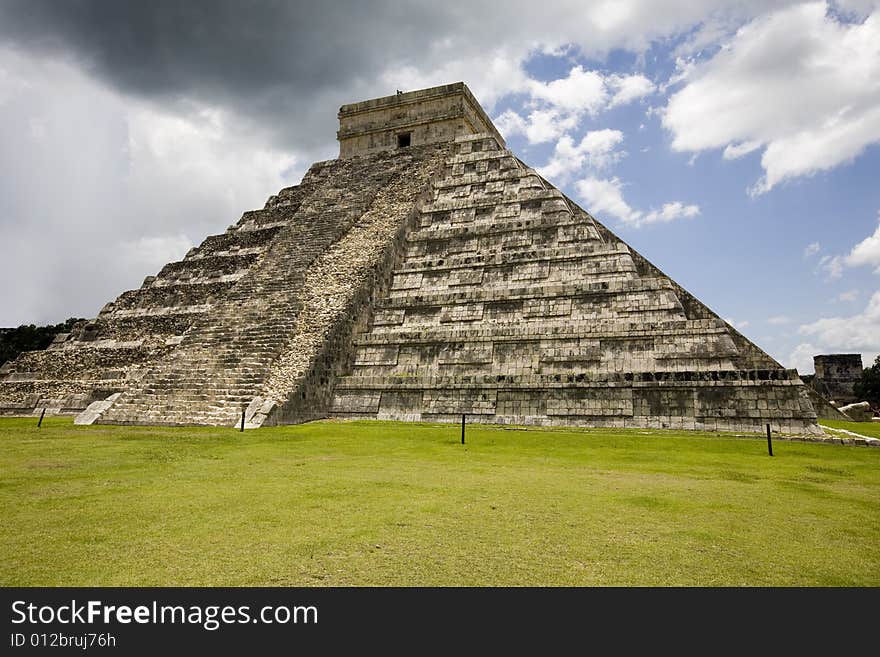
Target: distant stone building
(835, 376)
(424, 274)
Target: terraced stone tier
(716, 401)
(57, 396)
(89, 363)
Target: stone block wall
(427, 116)
(835, 376)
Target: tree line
(29, 337)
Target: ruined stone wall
(429, 132)
(824, 410)
(427, 116)
(835, 376)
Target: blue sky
(735, 145)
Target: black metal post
(242, 420)
(462, 428)
(40, 421)
(769, 442)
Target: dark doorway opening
(403, 140)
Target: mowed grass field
(871, 429)
(368, 503)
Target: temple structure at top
(417, 118)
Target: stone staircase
(227, 358)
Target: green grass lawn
(865, 428)
(370, 503)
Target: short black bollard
(40, 421)
(462, 428)
(242, 420)
(769, 442)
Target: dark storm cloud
(279, 66)
(261, 59)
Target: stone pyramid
(424, 274)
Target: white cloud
(548, 124)
(779, 320)
(458, 44)
(558, 106)
(811, 249)
(856, 333)
(865, 253)
(581, 91)
(857, 8)
(735, 151)
(833, 265)
(738, 325)
(628, 88)
(848, 296)
(510, 123)
(596, 151)
(538, 127)
(490, 74)
(837, 140)
(801, 358)
(671, 212)
(798, 82)
(605, 196)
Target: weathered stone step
(558, 220)
(207, 265)
(483, 170)
(293, 195)
(451, 201)
(236, 239)
(620, 267)
(502, 242)
(154, 300)
(544, 329)
(583, 379)
(531, 254)
(546, 292)
(86, 363)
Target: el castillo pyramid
(424, 274)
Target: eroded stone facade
(835, 376)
